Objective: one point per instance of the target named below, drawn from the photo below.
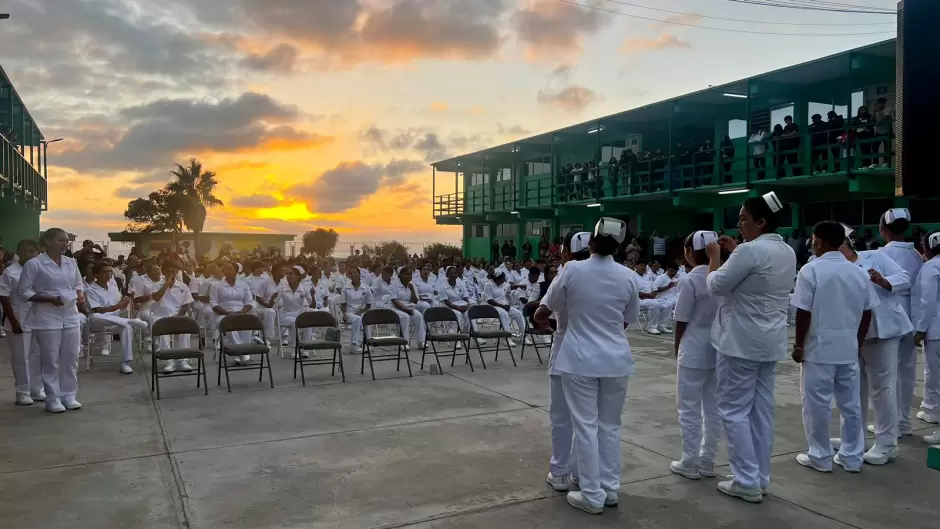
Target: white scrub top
(599, 296)
(173, 300)
(8, 281)
(836, 293)
(403, 294)
(456, 294)
(925, 300)
(497, 293)
(42, 276)
(664, 281)
(293, 301)
(357, 298)
(317, 292)
(99, 297)
(230, 297)
(427, 290)
(904, 254)
(697, 308)
(756, 282)
(889, 320)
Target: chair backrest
(439, 314)
(240, 322)
(312, 319)
(481, 312)
(380, 317)
(174, 325)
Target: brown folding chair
(536, 333)
(243, 322)
(489, 312)
(375, 317)
(175, 326)
(313, 321)
(444, 315)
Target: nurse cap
(773, 202)
(896, 214)
(300, 270)
(933, 240)
(701, 239)
(848, 230)
(611, 227)
(579, 242)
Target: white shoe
(285, 342)
(706, 468)
(731, 488)
(71, 404)
(38, 397)
(933, 439)
(653, 331)
(928, 417)
(804, 460)
(23, 399)
(511, 343)
(576, 500)
(237, 361)
(665, 330)
(106, 351)
(3, 333)
(459, 346)
(407, 348)
(126, 368)
(836, 443)
(257, 339)
(305, 354)
(54, 406)
(881, 455)
(246, 359)
(838, 460)
(170, 366)
(686, 469)
(611, 500)
(559, 483)
(184, 365)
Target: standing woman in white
(755, 281)
(24, 353)
(563, 468)
(925, 312)
(52, 283)
(600, 298)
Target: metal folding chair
(175, 326)
(372, 318)
(444, 315)
(242, 322)
(312, 321)
(488, 312)
(536, 333)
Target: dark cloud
(130, 193)
(573, 98)
(512, 130)
(550, 28)
(419, 140)
(349, 183)
(254, 201)
(280, 59)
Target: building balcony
(19, 180)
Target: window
(535, 229)
(506, 230)
(565, 230)
(737, 128)
(732, 215)
(503, 175)
(777, 115)
(815, 212)
(875, 207)
(481, 231)
(539, 166)
(607, 152)
(786, 216)
(847, 212)
(477, 179)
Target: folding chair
(443, 315)
(536, 333)
(372, 318)
(488, 312)
(317, 320)
(174, 326)
(88, 336)
(242, 322)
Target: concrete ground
(458, 450)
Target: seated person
(666, 295)
(106, 303)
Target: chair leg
(296, 358)
(198, 369)
(270, 372)
(424, 351)
(407, 360)
(470, 362)
(339, 357)
(228, 383)
(512, 356)
(205, 365)
(219, 381)
(398, 362)
(371, 364)
(440, 370)
(261, 367)
(522, 353)
(479, 352)
(303, 375)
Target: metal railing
(19, 179)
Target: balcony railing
(19, 179)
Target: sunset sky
(327, 113)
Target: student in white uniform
(426, 286)
(497, 295)
(24, 350)
(563, 465)
(645, 280)
(879, 359)
(264, 292)
(894, 223)
(594, 360)
(454, 296)
(755, 282)
(405, 301)
(141, 291)
(292, 300)
(52, 283)
(696, 382)
(356, 300)
(230, 296)
(172, 298)
(666, 288)
(834, 301)
(925, 310)
(105, 304)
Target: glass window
(875, 207)
(504, 174)
(737, 128)
(777, 115)
(534, 229)
(858, 99)
(506, 230)
(847, 212)
(607, 152)
(481, 231)
(815, 212)
(732, 215)
(539, 166)
(786, 216)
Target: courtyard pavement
(458, 450)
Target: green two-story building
(23, 186)
(842, 170)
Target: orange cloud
(662, 42)
(437, 106)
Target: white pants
(333, 303)
(512, 315)
(746, 403)
(791, 313)
(596, 406)
(653, 312)
(666, 307)
(463, 322)
(355, 321)
(697, 405)
(907, 380)
(58, 350)
(564, 461)
(123, 326)
(24, 358)
(931, 400)
(287, 320)
(181, 341)
(269, 317)
(879, 377)
(819, 383)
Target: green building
(521, 191)
(23, 186)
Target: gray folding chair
(372, 318)
(175, 326)
(489, 312)
(444, 315)
(243, 322)
(332, 341)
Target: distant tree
(320, 241)
(160, 212)
(393, 251)
(449, 251)
(195, 190)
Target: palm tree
(196, 187)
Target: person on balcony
(862, 133)
(758, 143)
(777, 138)
(706, 160)
(727, 158)
(543, 247)
(526, 249)
(884, 123)
(496, 252)
(835, 124)
(818, 136)
(791, 146)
